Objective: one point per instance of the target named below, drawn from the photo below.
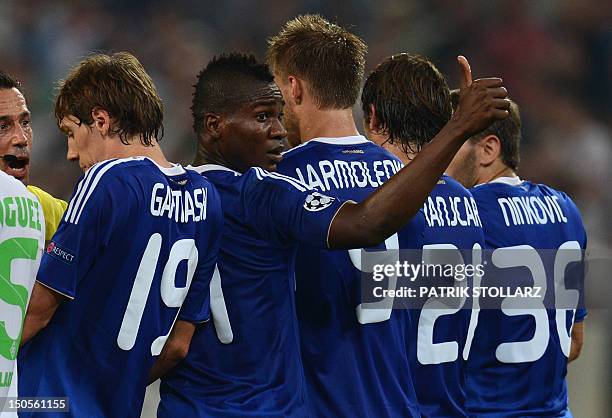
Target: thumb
(466, 72)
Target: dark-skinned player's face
(253, 133)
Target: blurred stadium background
(555, 58)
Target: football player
(248, 362)
(355, 358)
(518, 361)
(406, 101)
(132, 257)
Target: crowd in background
(555, 58)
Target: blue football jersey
(448, 229)
(518, 359)
(247, 363)
(135, 250)
(355, 358)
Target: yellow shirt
(53, 209)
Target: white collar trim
(175, 170)
(210, 167)
(510, 181)
(346, 140)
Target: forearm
(393, 204)
(162, 366)
(577, 341)
(42, 307)
(174, 351)
(33, 324)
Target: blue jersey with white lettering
(518, 360)
(355, 359)
(247, 363)
(135, 251)
(447, 229)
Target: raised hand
(481, 102)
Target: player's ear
(101, 120)
(490, 149)
(213, 124)
(297, 89)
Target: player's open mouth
(16, 166)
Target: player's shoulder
(257, 177)
(109, 176)
(126, 171)
(523, 188)
(547, 190)
(345, 145)
(254, 185)
(97, 183)
(104, 171)
(449, 185)
(560, 196)
(301, 149)
(197, 179)
(217, 175)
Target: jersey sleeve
(581, 314)
(196, 306)
(285, 210)
(53, 209)
(95, 210)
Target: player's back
(125, 256)
(447, 229)
(247, 362)
(355, 359)
(22, 231)
(518, 361)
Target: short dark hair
(508, 131)
(118, 84)
(330, 58)
(8, 82)
(411, 99)
(220, 85)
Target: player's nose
(72, 154)
(277, 130)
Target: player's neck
(495, 171)
(399, 152)
(116, 149)
(383, 141)
(205, 156)
(330, 123)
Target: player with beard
(132, 258)
(405, 102)
(16, 148)
(248, 362)
(518, 361)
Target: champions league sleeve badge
(316, 202)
